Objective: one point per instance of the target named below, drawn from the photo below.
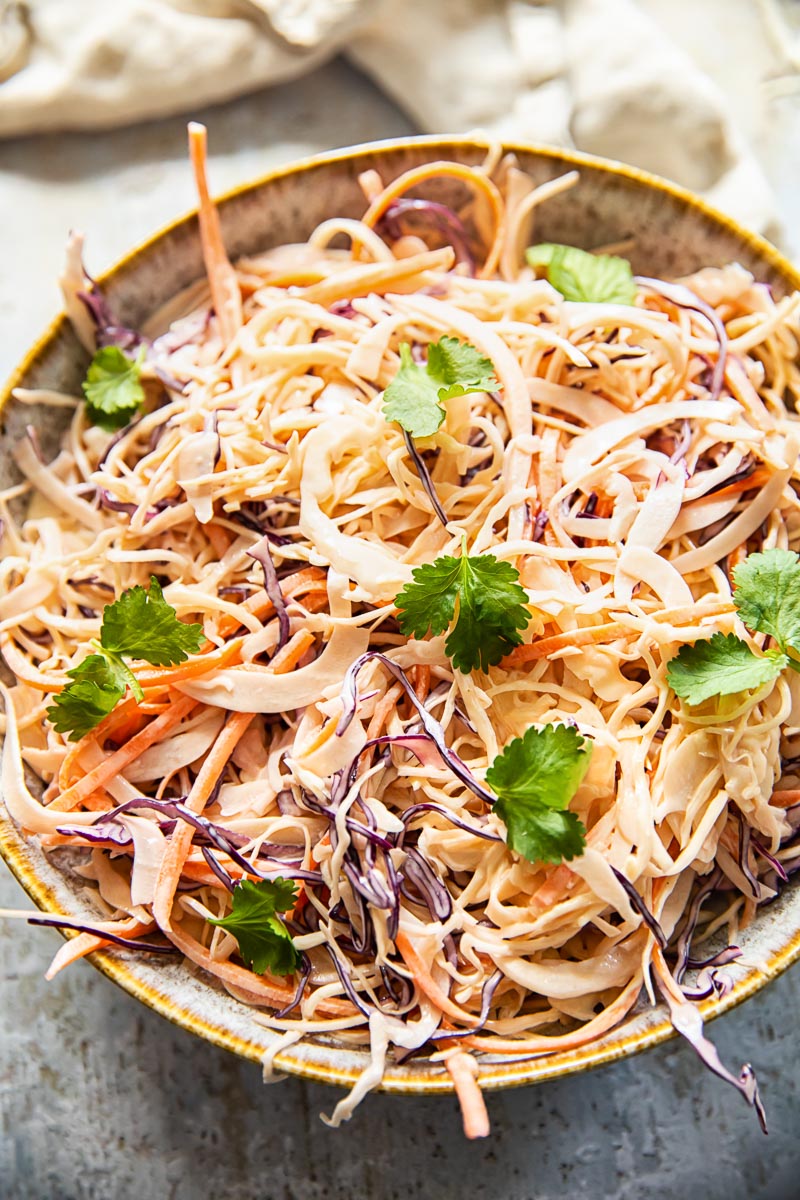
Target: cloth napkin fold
(601, 75)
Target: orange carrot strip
(427, 984)
(288, 656)
(298, 278)
(225, 294)
(84, 943)
(133, 724)
(201, 665)
(200, 873)
(98, 734)
(422, 680)
(260, 605)
(399, 275)
(544, 647)
(463, 1070)
(759, 477)
(383, 708)
(417, 175)
(786, 797)
(119, 760)
(551, 890)
(178, 846)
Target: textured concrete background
(102, 1100)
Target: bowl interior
(667, 232)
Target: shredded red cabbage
(688, 1022)
(429, 806)
(447, 222)
(431, 726)
(95, 931)
(419, 872)
(487, 995)
(305, 975)
(102, 831)
(684, 943)
(744, 855)
(222, 839)
(642, 909)
(262, 554)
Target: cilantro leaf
(412, 398)
(113, 387)
(721, 666)
(415, 396)
(458, 368)
(535, 778)
(578, 275)
(98, 685)
(142, 625)
(264, 941)
(767, 595)
(429, 603)
(139, 625)
(484, 596)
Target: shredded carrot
(385, 706)
(178, 846)
(400, 275)
(544, 647)
(463, 1070)
(427, 984)
(757, 479)
(259, 604)
(552, 889)
(201, 873)
(288, 656)
(201, 665)
(786, 797)
(471, 175)
(95, 736)
(225, 293)
(120, 759)
(421, 677)
(299, 278)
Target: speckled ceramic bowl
(671, 233)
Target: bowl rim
(15, 851)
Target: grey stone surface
(100, 1099)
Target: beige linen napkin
(598, 74)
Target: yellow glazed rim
(618, 1043)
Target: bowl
(671, 232)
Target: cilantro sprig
(415, 396)
(534, 779)
(113, 388)
(140, 625)
(265, 943)
(479, 596)
(578, 275)
(767, 597)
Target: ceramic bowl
(670, 232)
